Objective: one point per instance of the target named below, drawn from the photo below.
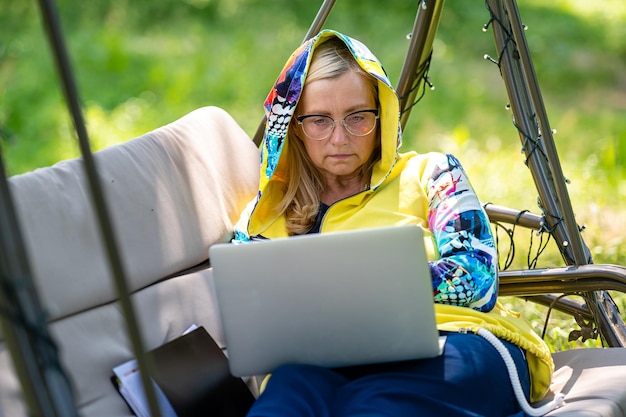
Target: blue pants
(469, 379)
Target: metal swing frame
(47, 391)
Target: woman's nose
(339, 134)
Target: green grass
(140, 64)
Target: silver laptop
(333, 299)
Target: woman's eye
(320, 121)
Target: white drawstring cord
(559, 399)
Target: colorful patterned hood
(280, 106)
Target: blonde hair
(300, 203)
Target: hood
(280, 106)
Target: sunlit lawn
(142, 64)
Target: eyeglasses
(320, 127)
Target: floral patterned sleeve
(466, 273)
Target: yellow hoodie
(430, 190)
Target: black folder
(193, 374)
(192, 371)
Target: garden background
(143, 63)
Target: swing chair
(145, 212)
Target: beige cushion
(171, 194)
(93, 342)
(593, 381)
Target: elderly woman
(330, 162)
